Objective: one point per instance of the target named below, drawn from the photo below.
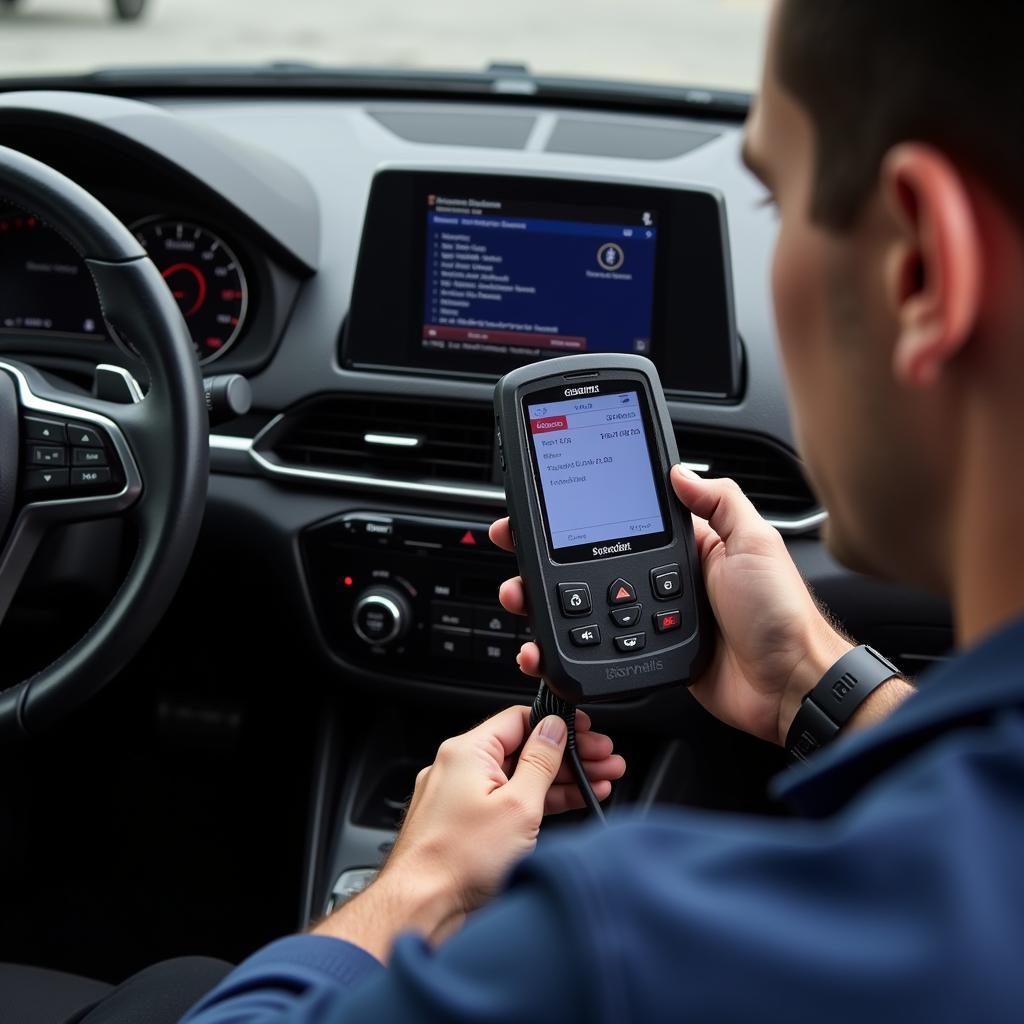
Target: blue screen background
(553, 258)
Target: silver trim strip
(491, 495)
(227, 443)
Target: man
(889, 137)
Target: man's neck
(986, 536)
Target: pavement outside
(684, 42)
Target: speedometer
(205, 278)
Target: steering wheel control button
(626, 617)
(666, 582)
(89, 477)
(45, 430)
(46, 479)
(621, 592)
(668, 622)
(585, 636)
(88, 457)
(632, 643)
(84, 437)
(575, 599)
(46, 455)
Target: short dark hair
(874, 73)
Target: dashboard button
(632, 643)
(575, 598)
(45, 479)
(88, 457)
(585, 636)
(84, 437)
(621, 592)
(87, 477)
(668, 622)
(451, 645)
(454, 616)
(626, 617)
(494, 620)
(44, 430)
(486, 648)
(46, 455)
(666, 582)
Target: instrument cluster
(46, 289)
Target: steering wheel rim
(162, 443)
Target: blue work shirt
(898, 896)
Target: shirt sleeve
(511, 963)
(906, 906)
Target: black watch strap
(831, 704)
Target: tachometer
(205, 278)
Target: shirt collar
(970, 688)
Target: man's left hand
(475, 811)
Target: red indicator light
(622, 595)
(348, 581)
(214, 342)
(468, 538)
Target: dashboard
(372, 265)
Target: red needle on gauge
(200, 281)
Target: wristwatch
(831, 704)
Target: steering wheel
(66, 457)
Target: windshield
(710, 43)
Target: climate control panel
(415, 596)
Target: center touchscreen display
(528, 279)
(594, 469)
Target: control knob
(382, 615)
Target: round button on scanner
(381, 616)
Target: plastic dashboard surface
(295, 176)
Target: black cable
(547, 703)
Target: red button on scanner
(666, 622)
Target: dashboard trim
(789, 525)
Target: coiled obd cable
(547, 703)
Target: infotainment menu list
(530, 279)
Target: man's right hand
(774, 643)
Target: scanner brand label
(590, 389)
(643, 668)
(613, 549)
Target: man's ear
(934, 274)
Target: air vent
(768, 474)
(388, 439)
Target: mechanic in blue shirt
(889, 136)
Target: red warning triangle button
(468, 538)
(621, 592)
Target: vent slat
(768, 474)
(328, 433)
